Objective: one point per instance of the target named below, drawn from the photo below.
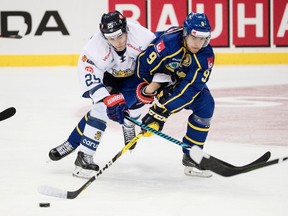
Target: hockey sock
(76, 135)
(92, 135)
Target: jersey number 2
(90, 79)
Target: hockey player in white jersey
(106, 70)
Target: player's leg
(128, 89)
(72, 142)
(91, 138)
(128, 127)
(197, 130)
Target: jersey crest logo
(160, 46)
(122, 73)
(97, 135)
(187, 60)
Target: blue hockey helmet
(113, 24)
(197, 24)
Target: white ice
(147, 182)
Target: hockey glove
(142, 96)
(155, 118)
(116, 107)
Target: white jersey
(98, 56)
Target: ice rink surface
(250, 119)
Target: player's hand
(116, 107)
(155, 118)
(142, 96)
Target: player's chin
(120, 48)
(193, 50)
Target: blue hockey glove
(155, 118)
(116, 107)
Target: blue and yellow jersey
(167, 53)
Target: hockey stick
(7, 113)
(55, 192)
(212, 163)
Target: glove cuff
(159, 113)
(114, 99)
(142, 96)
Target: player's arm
(188, 89)
(91, 78)
(92, 86)
(150, 67)
(144, 64)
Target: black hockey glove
(155, 118)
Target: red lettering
(248, 24)
(251, 23)
(280, 23)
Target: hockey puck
(44, 204)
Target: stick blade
(9, 112)
(51, 191)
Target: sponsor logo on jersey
(175, 59)
(160, 46)
(107, 55)
(89, 69)
(210, 62)
(139, 49)
(116, 98)
(89, 143)
(174, 65)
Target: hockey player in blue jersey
(175, 68)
